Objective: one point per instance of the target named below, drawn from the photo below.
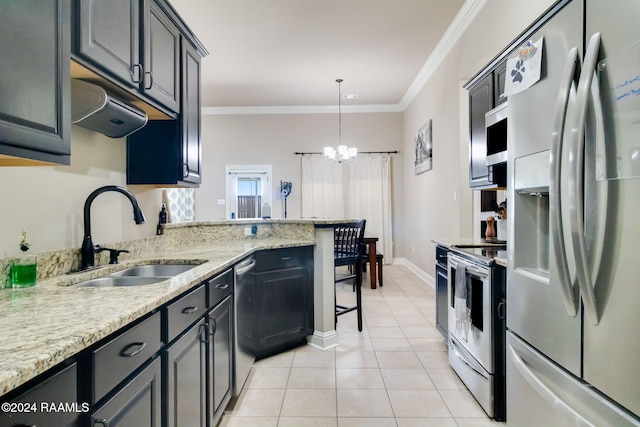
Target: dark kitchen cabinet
(35, 112)
(220, 345)
(186, 378)
(108, 34)
(484, 95)
(161, 80)
(442, 284)
(138, 403)
(167, 152)
(283, 298)
(190, 118)
(60, 387)
(134, 42)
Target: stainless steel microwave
(496, 134)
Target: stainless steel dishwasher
(244, 301)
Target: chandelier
(342, 153)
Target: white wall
(273, 140)
(48, 201)
(430, 210)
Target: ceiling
(288, 53)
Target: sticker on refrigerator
(523, 71)
(618, 148)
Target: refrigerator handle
(555, 202)
(552, 399)
(575, 181)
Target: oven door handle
(478, 272)
(463, 360)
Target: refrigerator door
(542, 394)
(611, 348)
(539, 297)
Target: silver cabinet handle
(136, 73)
(575, 183)
(148, 73)
(102, 421)
(137, 346)
(222, 286)
(189, 310)
(555, 201)
(545, 392)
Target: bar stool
(348, 250)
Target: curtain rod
(298, 153)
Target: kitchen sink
(109, 281)
(154, 270)
(146, 274)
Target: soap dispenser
(23, 268)
(162, 219)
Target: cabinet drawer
(276, 259)
(58, 388)
(441, 256)
(118, 358)
(182, 313)
(220, 287)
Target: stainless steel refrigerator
(573, 278)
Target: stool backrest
(348, 241)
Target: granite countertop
(45, 324)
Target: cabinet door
(285, 309)
(161, 79)
(108, 34)
(190, 116)
(442, 282)
(499, 80)
(59, 388)
(35, 112)
(220, 357)
(138, 403)
(186, 379)
(480, 101)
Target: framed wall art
(423, 149)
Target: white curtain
(322, 188)
(357, 189)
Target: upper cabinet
(141, 54)
(167, 152)
(485, 93)
(161, 65)
(35, 112)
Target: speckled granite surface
(45, 324)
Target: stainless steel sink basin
(140, 275)
(110, 281)
(154, 270)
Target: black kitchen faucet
(88, 249)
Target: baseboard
(414, 268)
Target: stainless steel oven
(476, 338)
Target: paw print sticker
(518, 71)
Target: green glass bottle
(23, 269)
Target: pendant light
(342, 153)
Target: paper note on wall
(523, 71)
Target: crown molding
(456, 29)
(301, 109)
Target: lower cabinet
(138, 403)
(283, 298)
(186, 378)
(27, 408)
(220, 353)
(442, 283)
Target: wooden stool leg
(380, 271)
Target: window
(248, 191)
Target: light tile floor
(395, 373)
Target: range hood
(93, 108)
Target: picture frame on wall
(423, 149)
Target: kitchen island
(46, 324)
